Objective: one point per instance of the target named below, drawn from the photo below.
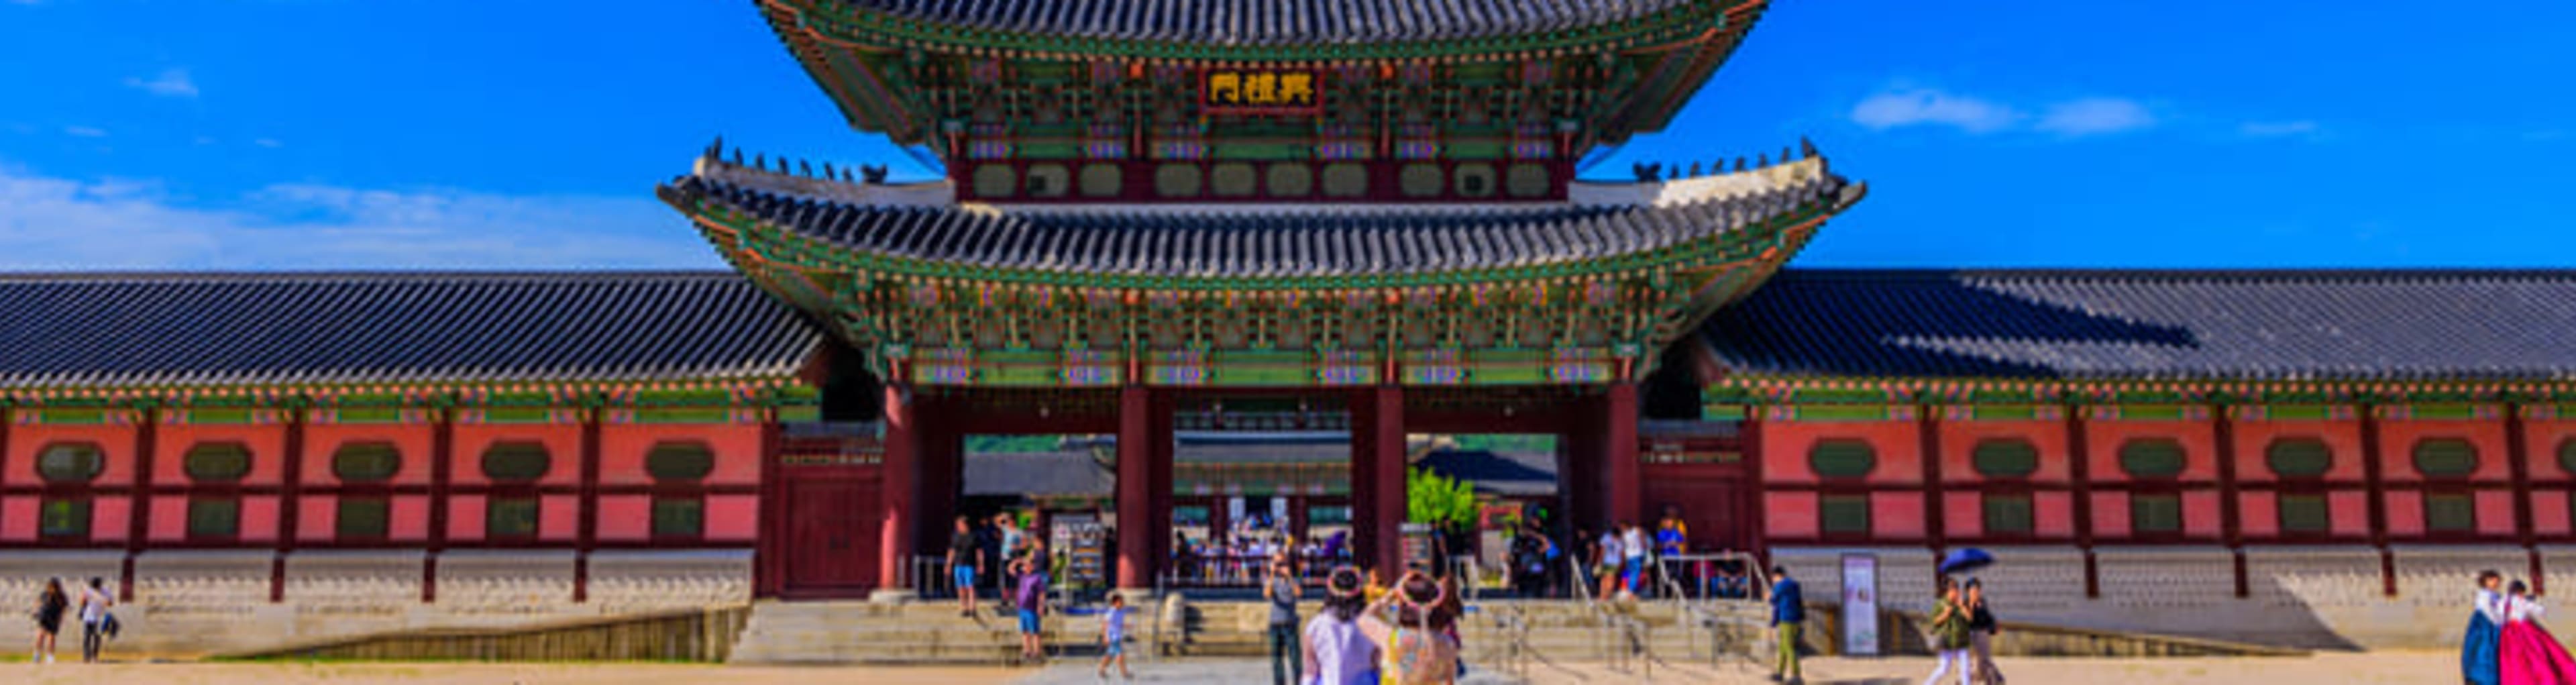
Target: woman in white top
(2531, 654)
(1337, 652)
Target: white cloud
(1904, 107)
(1927, 107)
(172, 83)
(56, 223)
(2278, 129)
(2095, 116)
(267, 142)
(85, 131)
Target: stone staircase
(1500, 631)
(847, 632)
(855, 632)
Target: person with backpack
(96, 623)
(1949, 636)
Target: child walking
(1113, 638)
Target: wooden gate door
(832, 535)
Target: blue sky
(2193, 133)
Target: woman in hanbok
(2530, 655)
(2486, 625)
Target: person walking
(50, 608)
(1605, 562)
(963, 564)
(1031, 598)
(1336, 652)
(94, 601)
(1788, 623)
(1113, 638)
(2530, 655)
(2479, 645)
(1416, 649)
(1981, 635)
(1286, 666)
(1632, 566)
(1950, 635)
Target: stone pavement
(2377, 668)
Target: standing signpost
(1860, 605)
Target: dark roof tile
(2155, 325)
(65, 330)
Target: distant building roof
(181, 329)
(1509, 474)
(2154, 325)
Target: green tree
(1438, 500)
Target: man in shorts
(962, 564)
(1031, 599)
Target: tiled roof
(1272, 22)
(1285, 243)
(2155, 325)
(69, 330)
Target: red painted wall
(626, 517)
(1790, 515)
(321, 440)
(736, 447)
(2198, 440)
(562, 441)
(267, 443)
(1785, 445)
(116, 443)
(2398, 438)
(1959, 441)
(2254, 437)
(733, 517)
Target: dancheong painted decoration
(1258, 200)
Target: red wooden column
(1135, 499)
(1386, 468)
(902, 476)
(1619, 454)
(290, 502)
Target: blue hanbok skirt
(2478, 651)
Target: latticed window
(510, 517)
(366, 462)
(2155, 513)
(2450, 513)
(516, 462)
(1842, 458)
(2152, 458)
(2445, 458)
(2299, 457)
(2304, 513)
(217, 462)
(1843, 514)
(2005, 458)
(214, 518)
(2567, 455)
(2008, 515)
(363, 518)
(63, 519)
(70, 462)
(683, 517)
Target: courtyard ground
(2365, 669)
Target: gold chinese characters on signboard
(1259, 89)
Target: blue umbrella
(1966, 559)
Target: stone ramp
(698, 635)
